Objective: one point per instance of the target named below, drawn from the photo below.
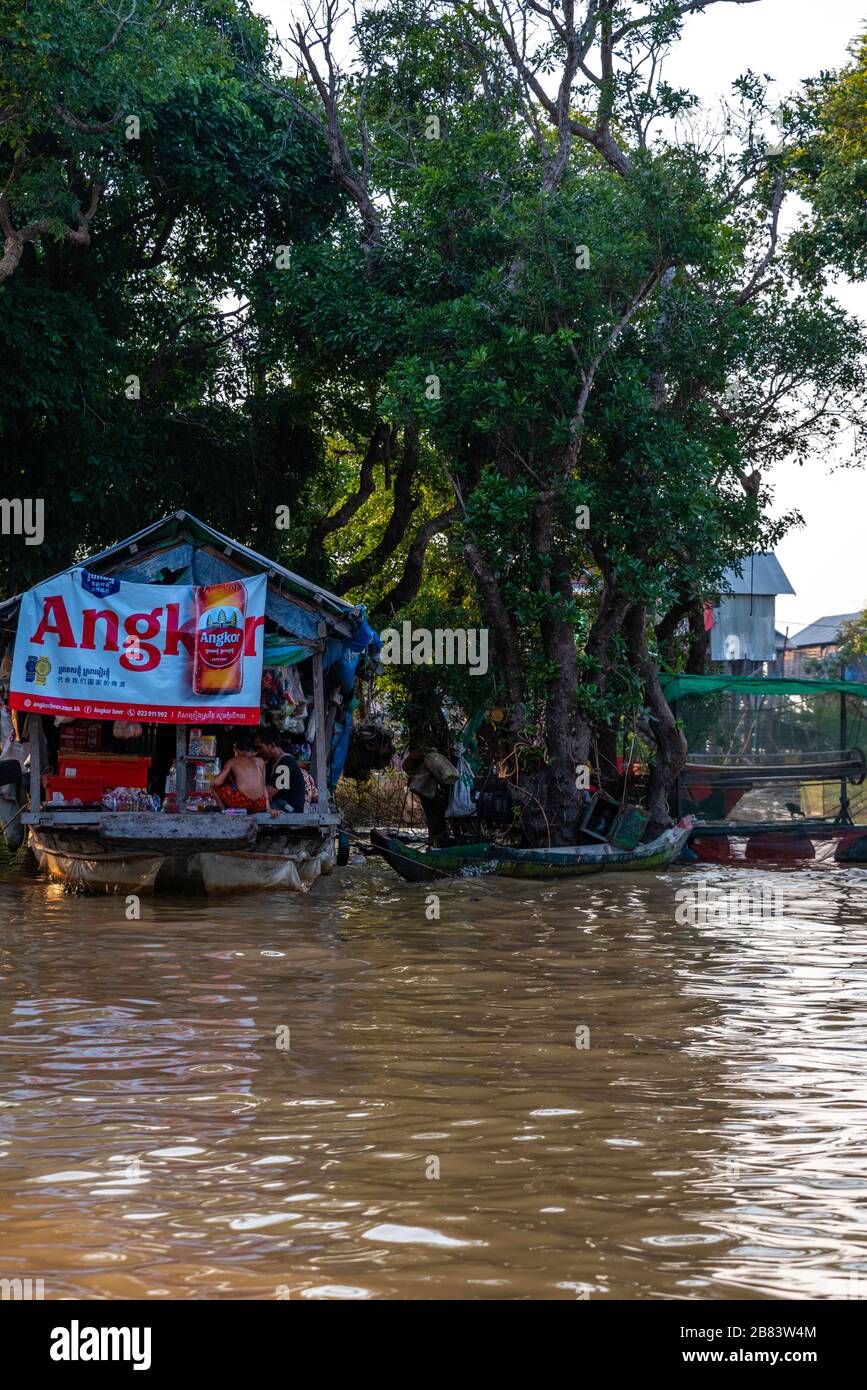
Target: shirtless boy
(247, 790)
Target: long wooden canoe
(423, 865)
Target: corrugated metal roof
(167, 524)
(335, 611)
(822, 632)
(757, 574)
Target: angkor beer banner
(96, 647)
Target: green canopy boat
(573, 861)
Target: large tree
(452, 280)
(576, 297)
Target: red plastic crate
(111, 770)
(87, 789)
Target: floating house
(129, 678)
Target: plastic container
(87, 790)
(110, 770)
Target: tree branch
(87, 127)
(689, 7)
(399, 520)
(577, 46)
(409, 583)
(756, 284)
(15, 240)
(343, 167)
(588, 375)
(377, 445)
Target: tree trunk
(505, 634)
(699, 641)
(608, 623)
(670, 743)
(561, 798)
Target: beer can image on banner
(219, 659)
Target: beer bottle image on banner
(219, 660)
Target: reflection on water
(332, 1096)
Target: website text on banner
(95, 647)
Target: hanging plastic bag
(461, 800)
(423, 783)
(445, 772)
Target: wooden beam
(34, 729)
(320, 743)
(181, 767)
(153, 825)
(147, 827)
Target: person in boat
(241, 785)
(283, 774)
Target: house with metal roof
(743, 632)
(818, 642)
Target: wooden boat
(198, 852)
(574, 861)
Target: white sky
(826, 559)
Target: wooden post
(34, 729)
(181, 767)
(320, 750)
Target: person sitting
(247, 790)
(283, 775)
(309, 784)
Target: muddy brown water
(553, 1091)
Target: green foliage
(191, 211)
(853, 641)
(830, 160)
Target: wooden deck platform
(191, 826)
